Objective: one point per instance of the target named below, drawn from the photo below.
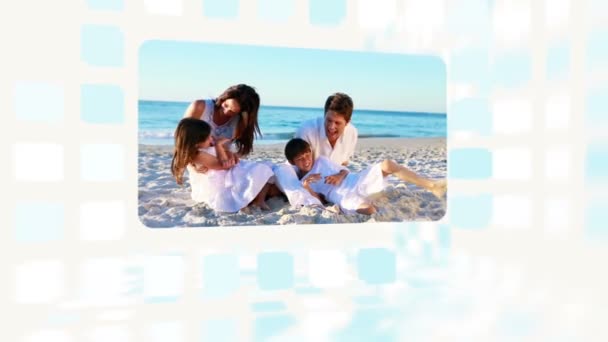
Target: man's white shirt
(313, 131)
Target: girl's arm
(225, 157)
(209, 161)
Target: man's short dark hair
(296, 147)
(341, 104)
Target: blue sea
(158, 119)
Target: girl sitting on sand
(223, 188)
(348, 190)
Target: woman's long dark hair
(247, 128)
(188, 133)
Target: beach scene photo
(370, 136)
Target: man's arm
(315, 177)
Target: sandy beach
(162, 203)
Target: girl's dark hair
(247, 128)
(296, 147)
(188, 133)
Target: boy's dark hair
(341, 104)
(295, 147)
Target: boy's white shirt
(325, 167)
(313, 131)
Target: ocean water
(158, 119)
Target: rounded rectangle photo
(234, 135)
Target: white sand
(162, 203)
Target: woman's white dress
(227, 190)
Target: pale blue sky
(184, 71)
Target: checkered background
(521, 254)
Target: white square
(557, 15)
(428, 231)
(512, 164)
(557, 164)
(557, 110)
(104, 281)
(49, 336)
(102, 162)
(39, 282)
(109, 333)
(164, 7)
(557, 215)
(511, 115)
(511, 211)
(102, 220)
(38, 162)
(377, 14)
(163, 276)
(327, 269)
(512, 19)
(165, 331)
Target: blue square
(596, 163)
(39, 222)
(471, 115)
(38, 101)
(327, 13)
(558, 62)
(512, 70)
(470, 212)
(102, 104)
(276, 10)
(268, 326)
(443, 236)
(596, 221)
(220, 275)
(102, 45)
(224, 9)
(596, 106)
(376, 265)
(470, 163)
(106, 5)
(470, 65)
(597, 49)
(220, 330)
(275, 271)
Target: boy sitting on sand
(348, 190)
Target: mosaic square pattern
(399, 282)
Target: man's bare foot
(366, 209)
(439, 188)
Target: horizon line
(305, 107)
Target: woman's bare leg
(390, 167)
(273, 191)
(260, 199)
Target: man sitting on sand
(350, 191)
(332, 136)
